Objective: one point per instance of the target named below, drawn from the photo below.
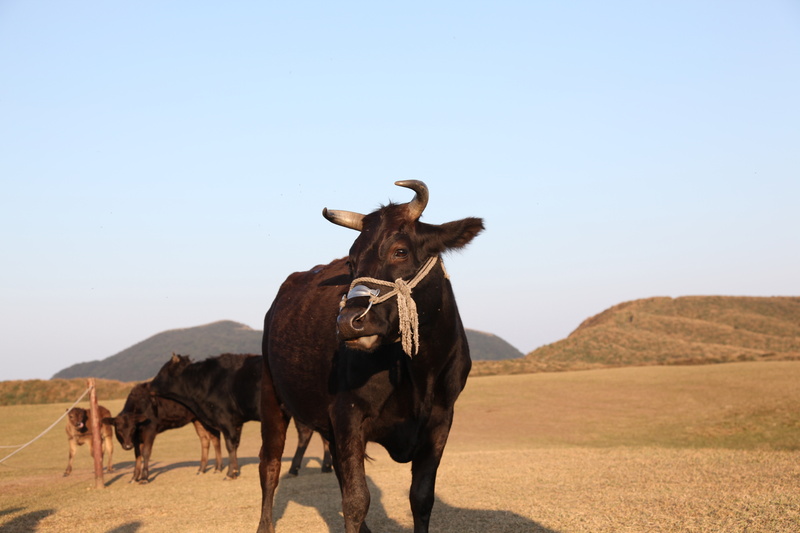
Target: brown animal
(79, 431)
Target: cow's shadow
(320, 492)
(24, 523)
(157, 468)
(131, 527)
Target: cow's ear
(451, 235)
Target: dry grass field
(700, 448)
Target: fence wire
(21, 447)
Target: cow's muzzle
(350, 324)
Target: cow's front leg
(137, 468)
(147, 449)
(424, 468)
(232, 444)
(348, 459)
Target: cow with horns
(369, 348)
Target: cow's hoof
(143, 482)
(327, 469)
(294, 472)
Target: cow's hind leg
(205, 442)
(274, 423)
(213, 435)
(327, 461)
(304, 434)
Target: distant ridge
(143, 360)
(671, 331)
(489, 347)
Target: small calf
(79, 431)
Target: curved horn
(346, 219)
(417, 205)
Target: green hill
(670, 331)
(143, 360)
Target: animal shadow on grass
(450, 519)
(133, 527)
(321, 492)
(157, 468)
(121, 470)
(24, 523)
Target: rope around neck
(406, 306)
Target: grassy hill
(39, 391)
(671, 331)
(143, 360)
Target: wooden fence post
(97, 440)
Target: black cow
(350, 352)
(224, 392)
(145, 415)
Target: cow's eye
(401, 253)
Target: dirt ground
(504, 483)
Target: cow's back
(300, 339)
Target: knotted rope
(406, 306)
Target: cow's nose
(350, 322)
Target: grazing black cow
(224, 392)
(145, 415)
(369, 348)
(79, 431)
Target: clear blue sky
(164, 164)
